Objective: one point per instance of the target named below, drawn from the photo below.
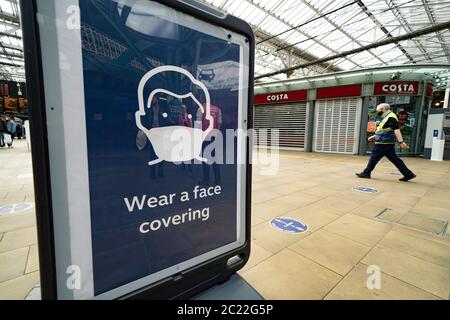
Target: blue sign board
(289, 225)
(435, 133)
(152, 110)
(365, 189)
(151, 214)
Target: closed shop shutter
(290, 120)
(337, 123)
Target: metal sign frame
(180, 286)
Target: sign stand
(235, 289)
(132, 198)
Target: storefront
(410, 107)
(286, 112)
(337, 113)
(337, 119)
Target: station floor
(395, 241)
(19, 261)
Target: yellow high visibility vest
(386, 136)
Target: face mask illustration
(175, 143)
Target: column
(447, 97)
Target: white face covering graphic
(174, 143)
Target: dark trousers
(386, 150)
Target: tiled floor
(18, 250)
(334, 259)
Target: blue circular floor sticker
(15, 208)
(289, 225)
(365, 189)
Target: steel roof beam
(278, 43)
(330, 21)
(262, 59)
(12, 55)
(10, 18)
(398, 14)
(297, 30)
(12, 65)
(385, 31)
(5, 34)
(11, 47)
(267, 16)
(13, 26)
(430, 14)
(414, 34)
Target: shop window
(405, 108)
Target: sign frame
(187, 283)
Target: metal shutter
(290, 120)
(337, 125)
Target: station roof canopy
(11, 47)
(291, 32)
(296, 32)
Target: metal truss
(358, 24)
(291, 32)
(11, 48)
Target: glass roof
(11, 48)
(306, 30)
(291, 32)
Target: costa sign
(396, 87)
(278, 97)
(281, 97)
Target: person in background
(19, 130)
(385, 137)
(186, 120)
(11, 126)
(158, 117)
(216, 113)
(3, 130)
(175, 108)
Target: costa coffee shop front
(410, 101)
(338, 113)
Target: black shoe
(363, 175)
(406, 179)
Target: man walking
(11, 127)
(385, 137)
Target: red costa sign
(353, 90)
(281, 97)
(396, 87)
